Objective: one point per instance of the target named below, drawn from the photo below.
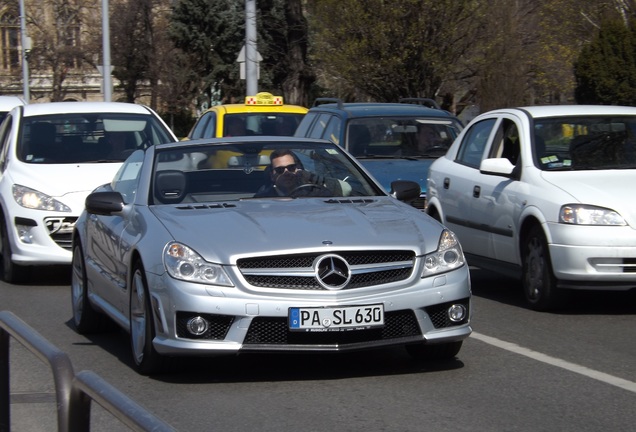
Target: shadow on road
(493, 286)
(276, 366)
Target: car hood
(275, 226)
(68, 183)
(604, 188)
(387, 170)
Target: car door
(105, 247)
(457, 183)
(498, 200)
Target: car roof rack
(320, 101)
(427, 102)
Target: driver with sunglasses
(289, 179)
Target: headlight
(578, 214)
(30, 198)
(185, 264)
(447, 257)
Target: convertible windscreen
(231, 172)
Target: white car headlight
(183, 263)
(447, 257)
(579, 214)
(30, 198)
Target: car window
(585, 142)
(5, 133)
(506, 142)
(205, 126)
(127, 178)
(401, 136)
(320, 125)
(87, 137)
(332, 131)
(474, 142)
(262, 124)
(305, 124)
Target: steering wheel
(318, 187)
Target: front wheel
(86, 319)
(142, 332)
(538, 281)
(11, 272)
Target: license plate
(336, 318)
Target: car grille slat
(61, 231)
(367, 269)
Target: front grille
(219, 325)
(439, 314)
(297, 271)
(61, 230)
(274, 331)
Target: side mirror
(104, 203)
(405, 190)
(497, 166)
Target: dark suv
(392, 140)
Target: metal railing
(74, 392)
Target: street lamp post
(26, 48)
(106, 68)
(251, 65)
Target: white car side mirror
(497, 166)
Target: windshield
(208, 173)
(585, 143)
(401, 136)
(276, 124)
(88, 138)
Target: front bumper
(41, 238)
(415, 311)
(589, 257)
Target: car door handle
(446, 183)
(476, 191)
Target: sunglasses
(281, 169)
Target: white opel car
(546, 194)
(52, 156)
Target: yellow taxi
(262, 114)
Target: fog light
(24, 233)
(197, 325)
(457, 313)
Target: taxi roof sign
(264, 98)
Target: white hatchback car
(52, 155)
(7, 103)
(546, 194)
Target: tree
(384, 49)
(61, 42)
(606, 68)
(213, 33)
(132, 33)
(284, 45)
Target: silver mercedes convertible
(264, 244)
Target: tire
(11, 273)
(86, 319)
(434, 352)
(142, 332)
(538, 281)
